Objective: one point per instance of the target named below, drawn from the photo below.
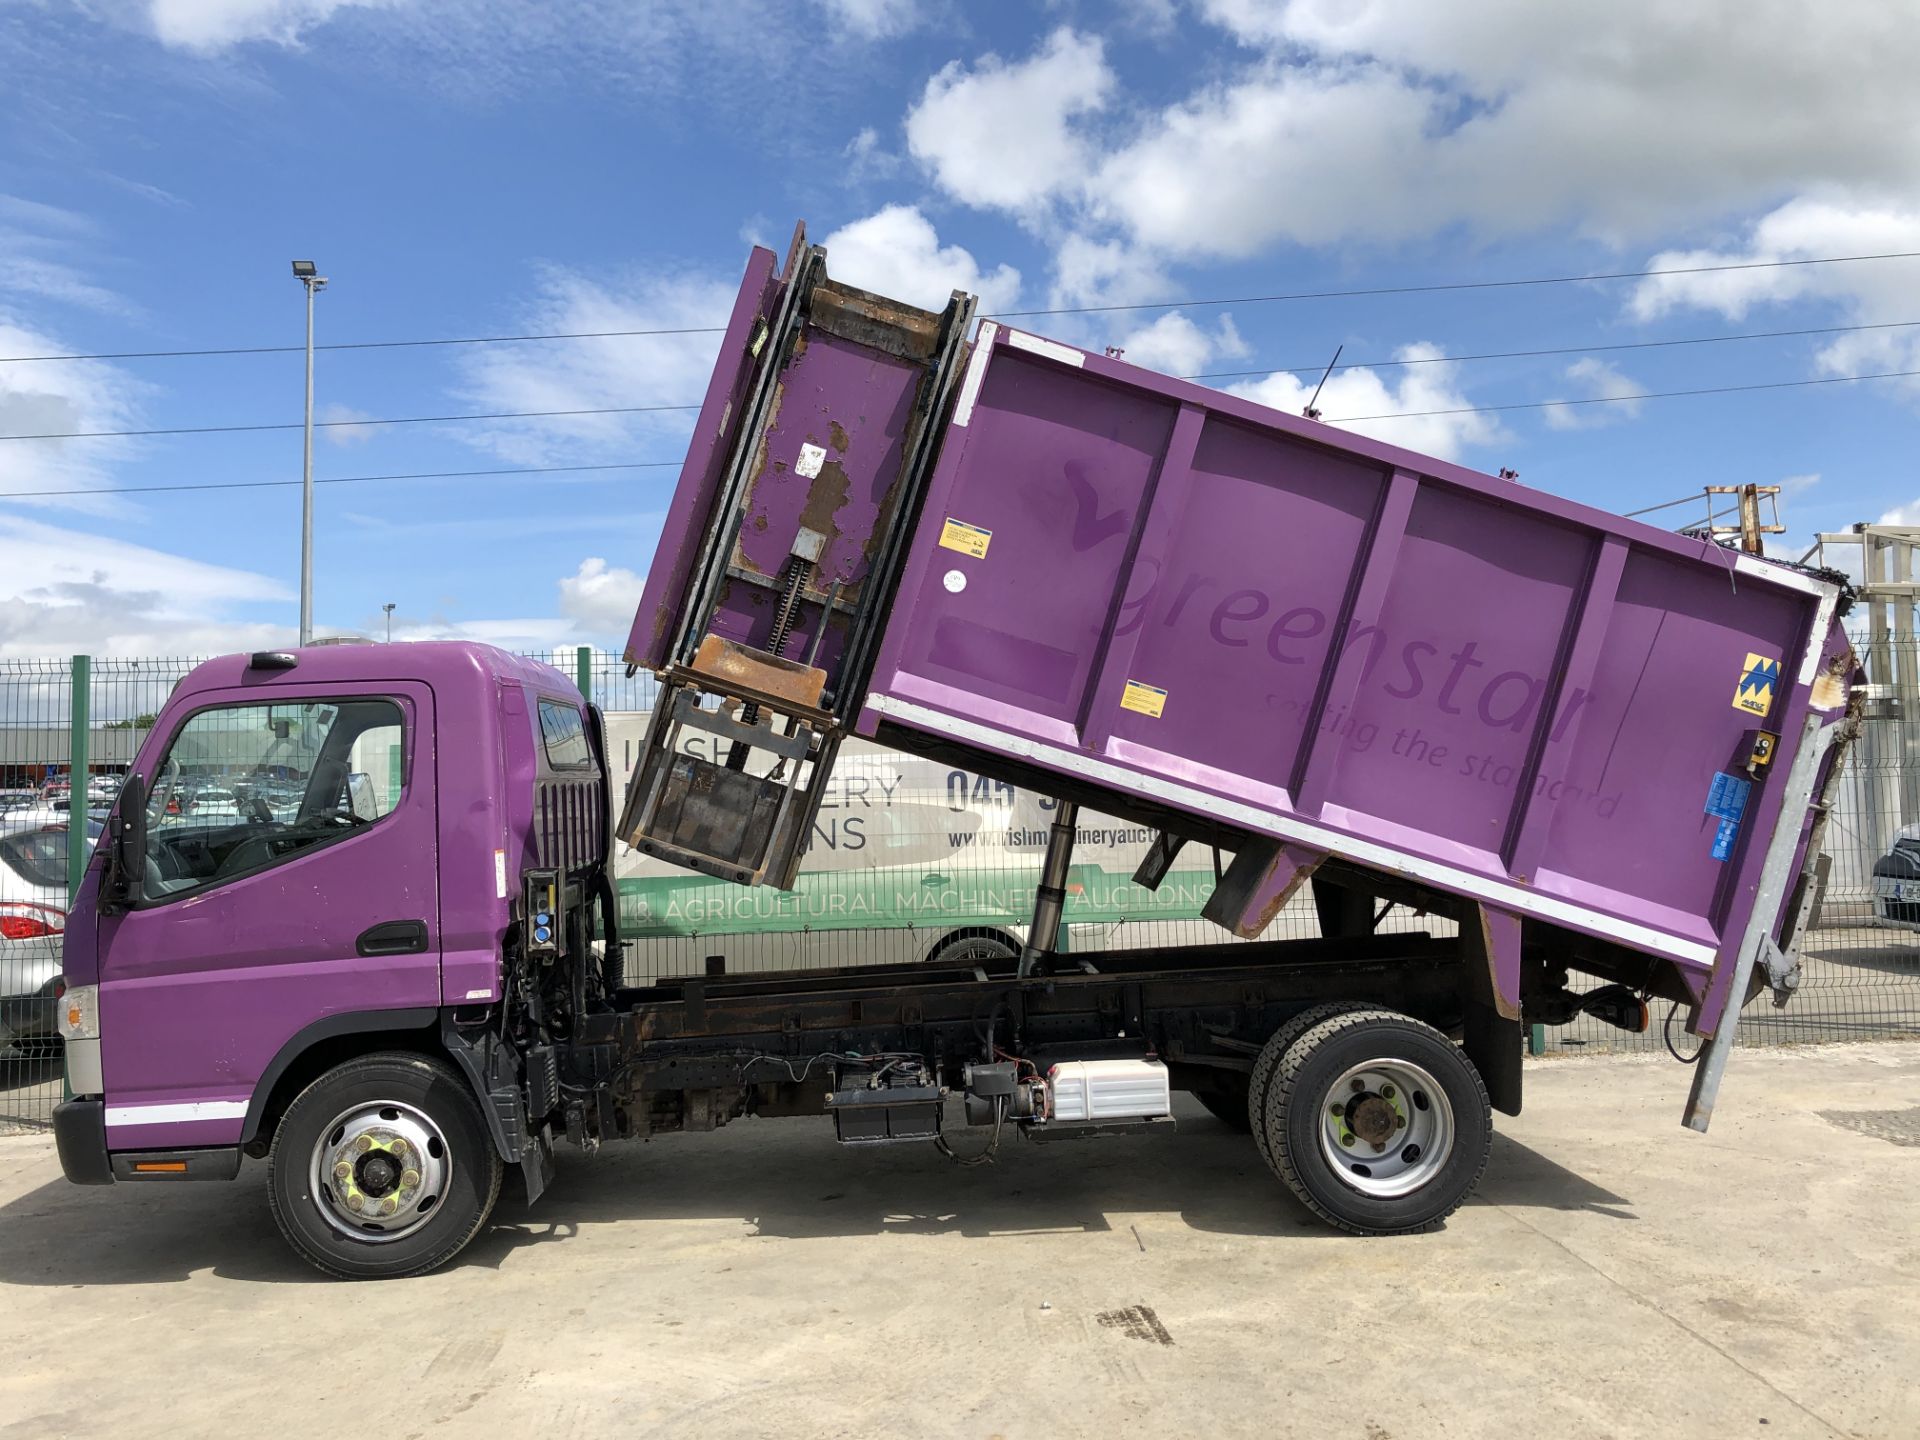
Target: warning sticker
(1148, 700)
(1758, 679)
(1727, 797)
(1723, 837)
(967, 539)
(812, 457)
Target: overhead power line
(334, 480)
(368, 345)
(1191, 303)
(1627, 399)
(1318, 366)
(665, 464)
(342, 424)
(1456, 285)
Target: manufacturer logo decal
(1758, 677)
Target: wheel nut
(1358, 1086)
(1336, 1109)
(1386, 1092)
(1399, 1122)
(1347, 1138)
(1379, 1149)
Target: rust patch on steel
(825, 500)
(837, 433)
(874, 321)
(739, 665)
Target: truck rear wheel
(383, 1168)
(1377, 1122)
(1268, 1064)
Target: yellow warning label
(1758, 677)
(1147, 700)
(967, 539)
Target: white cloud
(57, 397)
(341, 430)
(868, 159)
(535, 632)
(1351, 397)
(207, 25)
(897, 253)
(1597, 380)
(1174, 345)
(1387, 120)
(1868, 292)
(1087, 271)
(601, 597)
(615, 372)
(38, 243)
(1000, 135)
(66, 592)
(873, 19)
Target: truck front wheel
(1377, 1122)
(383, 1168)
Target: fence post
(79, 767)
(77, 772)
(583, 671)
(1536, 1040)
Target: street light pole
(388, 607)
(310, 277)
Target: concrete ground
(1615, 1276)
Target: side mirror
(126, 847)
(361, 800)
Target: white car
(33, 918)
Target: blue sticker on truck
(1727, 797)
(1724, 837)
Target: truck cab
(318, 856)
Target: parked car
(1896, 881)
(33, 917)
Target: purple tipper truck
(353, 914)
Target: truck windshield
(247, 787)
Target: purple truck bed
(1189, 604)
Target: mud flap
(1495, 1038)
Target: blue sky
(471, 168)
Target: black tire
(975, 945)
(1269, 1062)
(1293, 1118)
(472, 1180)
(1227, 1106)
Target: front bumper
(80, 1135)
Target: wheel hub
(379, 1170)
(1386, 1127)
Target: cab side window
(245, 787)
(564, 734)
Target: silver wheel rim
(380, 1171)
(1386, 1127)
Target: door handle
(393, 937)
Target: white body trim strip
(1052, 349)
(1779, 575)
(180, 1114)
(976, 373)
(1822, 622)
(1289, 827)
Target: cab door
(290, 877)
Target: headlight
(80, 1013)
